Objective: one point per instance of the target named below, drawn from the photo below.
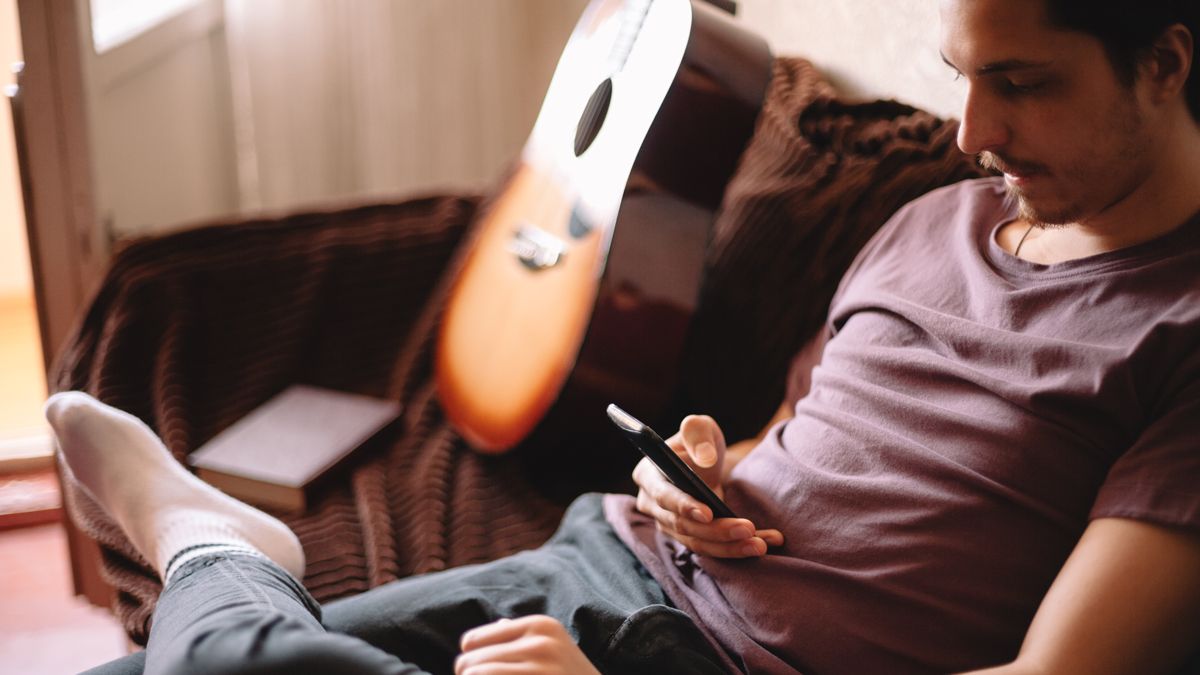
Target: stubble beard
(1042, 216)
(1125, 127)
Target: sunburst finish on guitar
(585, 267)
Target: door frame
(49, 116)
(67, 255)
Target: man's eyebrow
(1004, 66)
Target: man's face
(1046, 107)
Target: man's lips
(1016, 173)
(1020, 179)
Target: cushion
(820, 175)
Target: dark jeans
(242, 614)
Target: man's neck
(1166, 199)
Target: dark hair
(1128, 28)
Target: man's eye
(1022, 87)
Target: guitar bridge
(536, 248)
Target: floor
(44, 628)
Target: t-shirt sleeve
(800, 372)
(1157, 480)
(918, 220)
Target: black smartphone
(675, 469)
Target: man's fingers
(657, 488)
(722, 538)
(532, 644)
(504, 630)
(490, 657)
(746, 548)
(701, 443)
(703, 440)
(509, 629)
(725, 537)
(494, 669)
(772, 537)
(723, 531)
(647, 505)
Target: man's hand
(701, 444)
(536, 645)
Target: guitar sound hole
(578, 227)
(593, 116)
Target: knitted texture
(819, 177)
(191, 331)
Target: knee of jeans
(659, 639)
(280, 645)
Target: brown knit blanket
(192, 330)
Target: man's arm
(1126, 601)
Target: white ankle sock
(161, 507)
(186, 555)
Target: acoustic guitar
(585, 267)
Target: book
(273, 456)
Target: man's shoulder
(973, 195)
(945, 226)
(965, 207)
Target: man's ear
(1168, 63)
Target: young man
(996, 465)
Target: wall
(385, 98)
(160, 125)
(378, 98)
(868, 48)
(15, 276)
(241, 105)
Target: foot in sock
(164, 510)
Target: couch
(191, 330)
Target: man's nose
(983, 127)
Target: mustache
(994, 162)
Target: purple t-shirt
(971, 413)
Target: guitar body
(584, 270)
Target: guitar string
(633, 18)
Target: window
(115, 22)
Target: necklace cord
(1021, 243)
